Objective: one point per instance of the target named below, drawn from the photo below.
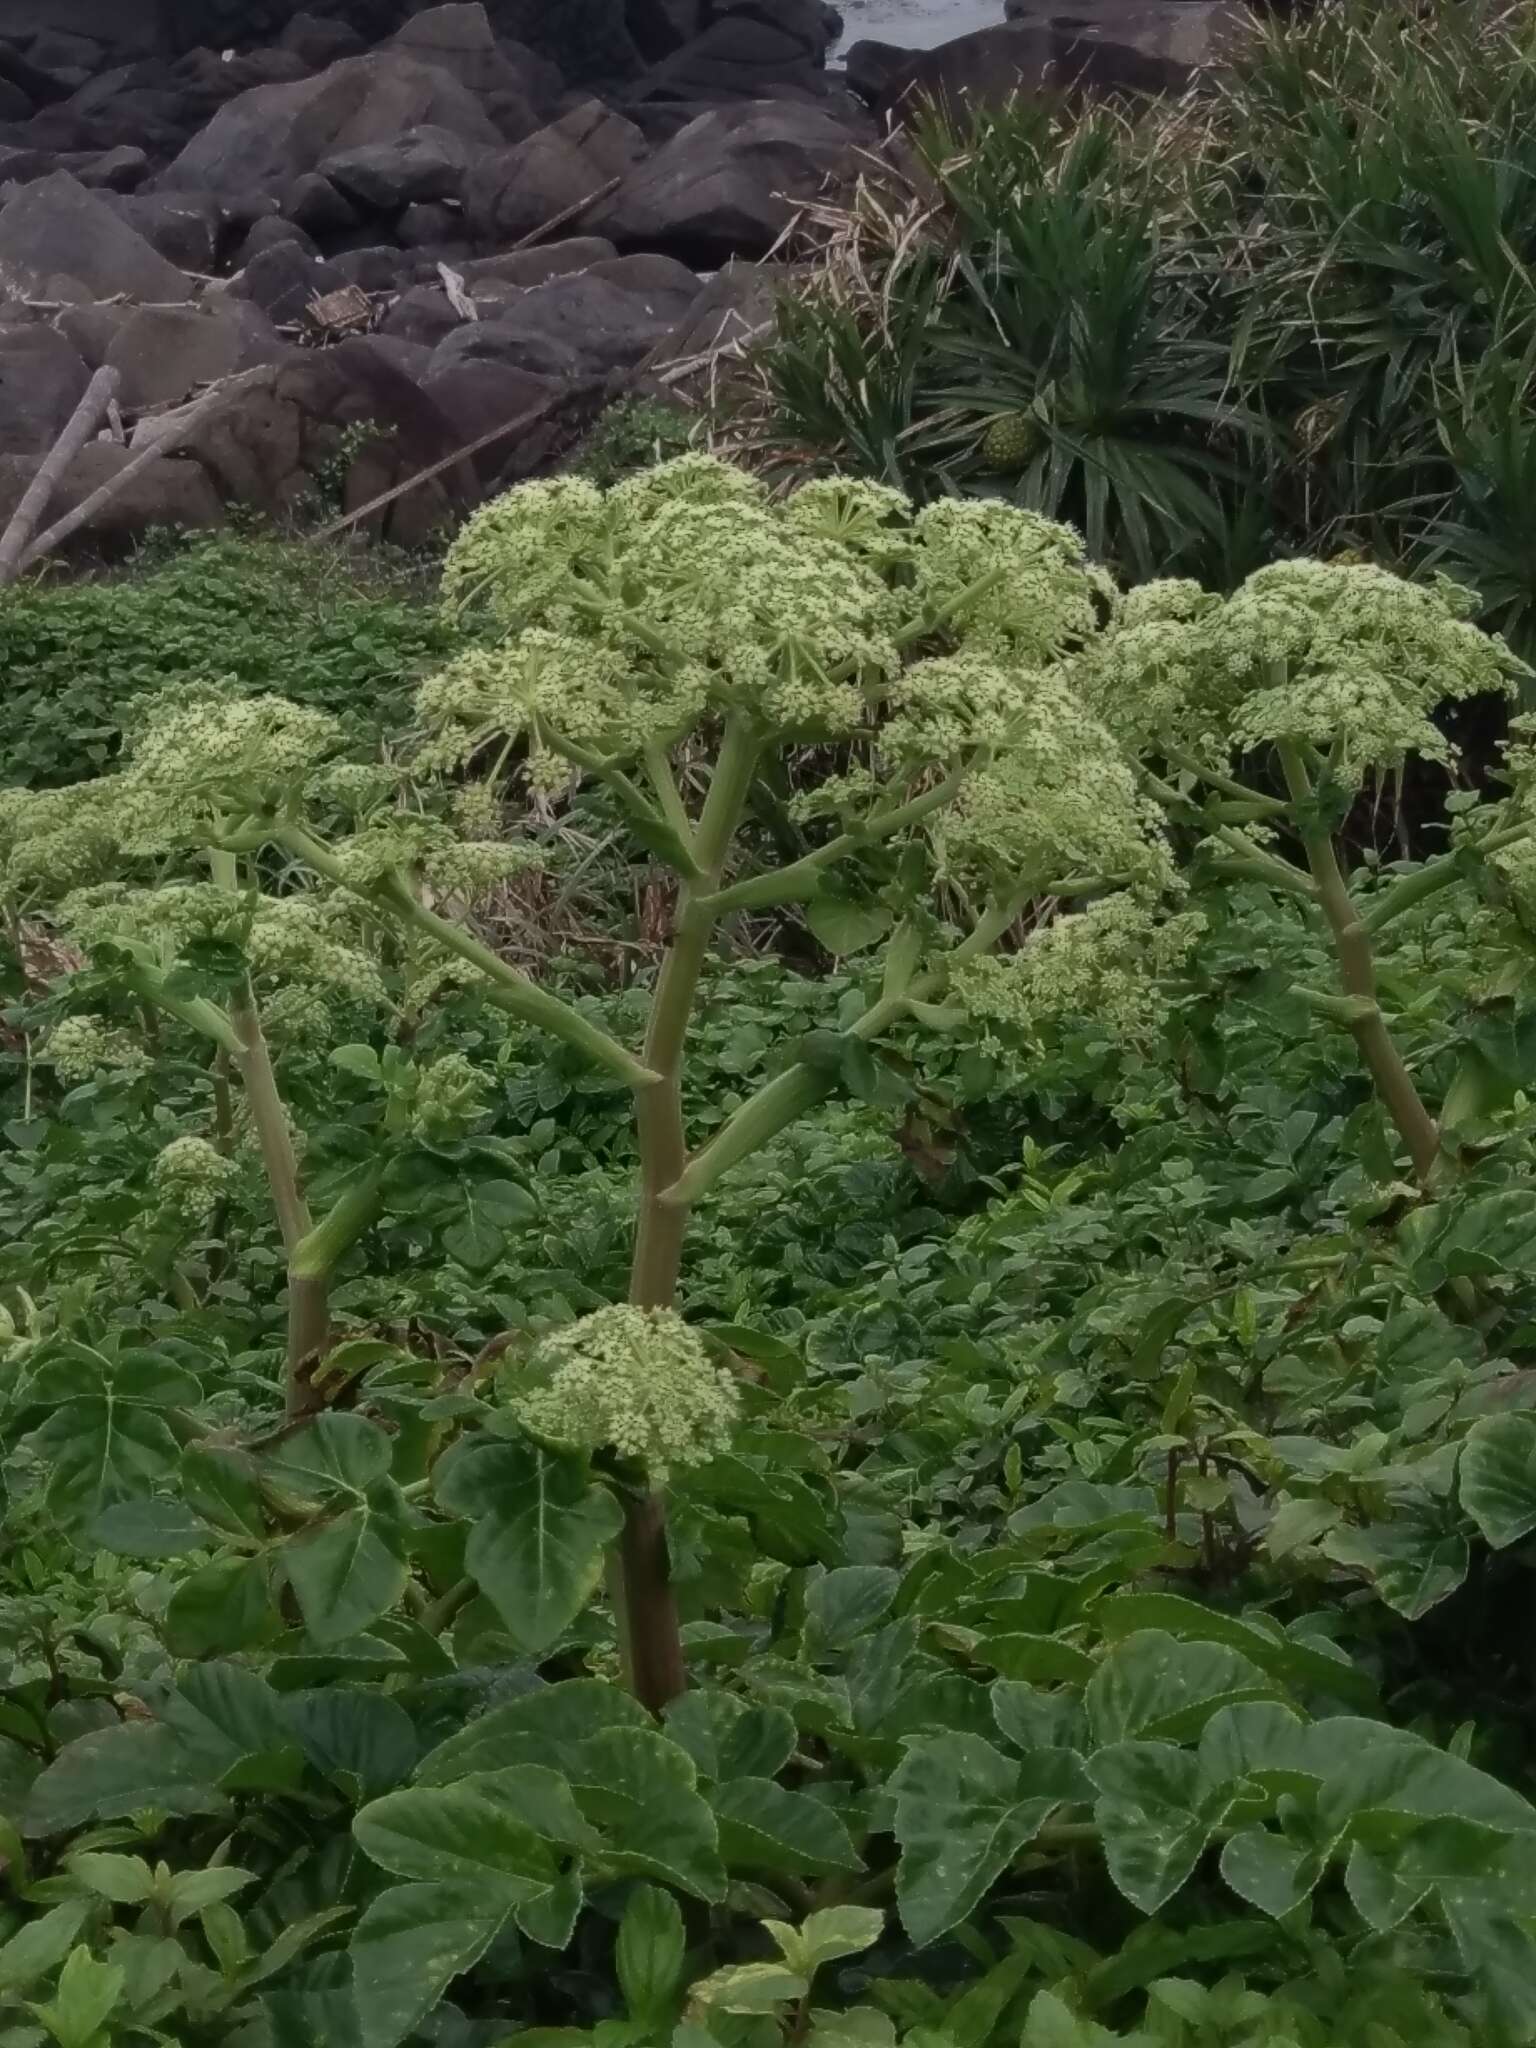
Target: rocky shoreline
(378, 252)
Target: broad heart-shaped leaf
(362, 1741)
(540, 1799)
(639, 1789)
(225, 1606)
(456, 1834)
(100, 1450)
(346, 1572)
(1405, 1776)
(334, 1454)
(146, 1379)
(1274, 1871)
(1156, 1813)
(410, 1945)
(1154, 1686)
(150, 1526)
(1500, 1956)
(964, 1811)
(117, 1771)
(843, 1604)
(1498, 1477)
(729, 1737)
(542, 1727)
(542, 1526)
(223, 1486)
(1289, 1659)
(765, 1827)
(1415, 1560)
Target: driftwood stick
(435, 469)
(94, 407)
(565, 216)
(87, 509)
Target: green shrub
(258, 614)
(1295, 317)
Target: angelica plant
(1327, 676)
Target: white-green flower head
(80, 1048)
(1149, 675)
(410, 844)
(693, 586)
(202, 757)
(54, 840)
(451, 1094)
(1023, 583)
(1354, 659)
(634, 1380)
(1109, 962)
(311, 943)
(1058, 797)
(192, 1178)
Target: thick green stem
(1429, 880)
(779, 1102)
(506, 987)
(1357, 972)
(1258, 863)
(274, 1134)
(649, 1628)
(312, 1264)
(797, 881)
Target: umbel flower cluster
(637, 1381)
(191, 1178)
(1342, 656)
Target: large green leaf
(347, 1571)
(964, 1811)
(118, 1771)
(1498, 1477)
(455, 1834)
(765, 1827)
(650, 1954)
(362, 1741)
(1293, 1660)
(1155, 1686)
(1156, 1813)
(1415, 1560)
(729, 1737)
(100, 1450)
(410, 1945)
(844, 1604)
(335, 1454)
(543, 1727)
(640, 1790)
(541, 1528)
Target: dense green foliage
(1296, 315)
(261, 614)
(1095, 1425)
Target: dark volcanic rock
(164, 353)
(423, 163)
(169, 493)
(59, 241)
(511, 192)
(586, 324)
(42, 379)
(728, 184)
(267, 138)
(1098, 46)
(283, 279)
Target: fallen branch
(87, 509)
(95, 406)
(434, 469)
(564, 217)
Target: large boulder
(729, 183)
(512, 192)
(753, 49)
(1090, 46)
(42, 380)
(387, 177)
(587, 324)
(269, 137)
(164, 353)
(59, 241)
(589, 40)
(517, 87)
(168, 493)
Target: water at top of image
(915, 24)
